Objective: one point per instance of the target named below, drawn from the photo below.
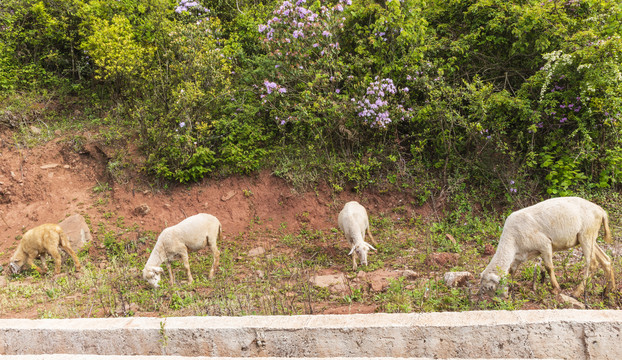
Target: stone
(49, 166)
(256, 251)
(333, 282)
(410, 275)
(457, 278)
(77, 230)
(576, 304)
(228, 195)
(35, 130)
(142, 210)
(3, 281)
(441, 259)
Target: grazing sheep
(38, 241)
(353, 222)
(192, 234)
(549, 226)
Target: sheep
(191, 234)
(353, 222)
(38, 241)
(539, 230)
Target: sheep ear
(351, 251)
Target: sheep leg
(30, 261)
(184, 258)
(44, 264)
(171, 277)
(587, 247)
(547, 261)
(373, 241)
(605, 262)
(354, 260)
(64, 244)
(213, 245)
(57, 260)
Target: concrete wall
(564, 334)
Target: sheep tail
(608, 238)
(64, 240)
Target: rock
(35, 130)
(576, 304)
(2, 281)
(378, 280)
(256, 251)
(77, 231)
(335, 282)
(228, 195)
(410, 275)
(457, 278)
(441, 259)
(142, 210)
(49, 166)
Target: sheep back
(191, 232)
(560, 219)
(353, 221)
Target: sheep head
(152, 275)
(361, 251)
(17, 261)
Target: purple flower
(337, 91)
(563, 120)
(182, 124)
(270, 86)
(282, 90)
(262, 27)
(326, 33)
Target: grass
(278, 281)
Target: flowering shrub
(580, 101)
(304, 77)
(375, 108)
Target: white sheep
(549, 226)
(192, 234)
(353, 222)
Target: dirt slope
(49, 182)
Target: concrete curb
(563, 334)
